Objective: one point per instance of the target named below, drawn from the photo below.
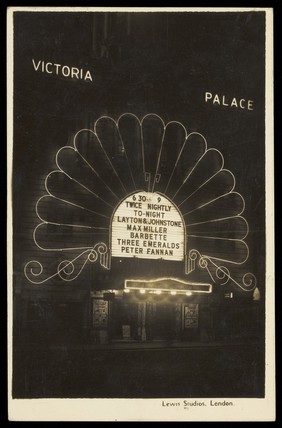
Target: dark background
(163, 65)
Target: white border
(151, 409)
(10, 139)
(135, 9)
(270, 362)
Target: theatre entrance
(141, 321)
(162, 321)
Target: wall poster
(100, 313)
(191, 316)
(140, 214)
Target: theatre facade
(138, 235)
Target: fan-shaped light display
(132, 188)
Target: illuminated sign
(141, 189)
(148, 226)
(166, 285)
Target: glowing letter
(36, 67)
(223, 101)
(57, 67)
(242, 101)
(88, 75)
(208, 96)
(46, 68)
(234, 103)
(74, 72)
(65, 67)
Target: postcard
(140, 214)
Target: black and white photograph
(140, 176)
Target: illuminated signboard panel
(148, 226)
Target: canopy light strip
(171, 285)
